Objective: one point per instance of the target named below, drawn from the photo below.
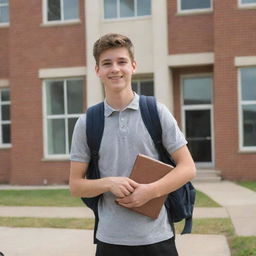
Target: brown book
(147, 170)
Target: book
(147, 170)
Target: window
(63, 106)
(62, 10)
(115, 9)
(248, 107)
(143, 87)
(4, 12)
(5, 117)
(247, 3)
(194, 6)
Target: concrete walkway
(238, 203)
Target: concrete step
(207, 175)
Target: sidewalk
(24, 241)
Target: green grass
(51, 197)
(62, 197)
(69, 223)
(243, 246)
(248, 184)
(203, 200)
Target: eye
(122, 62)
(106, 64)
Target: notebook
(147, 170)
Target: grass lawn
(51, 197)
(248, 184)
(62, 197)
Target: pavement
(237, 202)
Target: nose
(115, 68)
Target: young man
(122, 232)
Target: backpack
(179, 203)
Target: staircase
(207, 175)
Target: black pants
(165, 248)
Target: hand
(141, 195)
(122, 186)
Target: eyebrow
(109, 60)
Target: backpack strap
(95, 121)
(150, 117)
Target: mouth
(115, 78)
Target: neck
(119, 100)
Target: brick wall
(189, 33)
(234, 35)
(34, 46)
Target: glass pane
(6, 133)
(249, 125)
(248, 83)
(143, 7)
(3, 1)
(110, 9)
(147, 88)
(71, 9)
(4, 14)
(55, 97)
(200, 150)
(71, 125)
(198, 124)
(75, 96)
(54, 11)
(195, 4)
(135, 87)
(248, 1)
(56, 136)
(5, 95)
(5, 112)
(126, 8)
(197, 90)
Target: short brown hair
(110, 41)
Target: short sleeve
(80, 151)
(172, 137)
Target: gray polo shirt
(124, 137)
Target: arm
(181, 174)
(81, 187)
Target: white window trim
(246, 5)
(48, 156)
(4, 24)
(118, 18)
(199, 106)
(4, 145)
(57, 22)
(192, 11)
(242, 148)
(138, 81)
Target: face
(115, 69)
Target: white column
(92, 33)
(162, 74)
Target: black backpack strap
(150, 117)
(95, 120)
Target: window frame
(62, 20)
(139, 81)
(3, 24)
(191, 11)
(4, 145)
(242, 102)
(125, 18)
(246, 5)
(65, 116)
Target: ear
(97, 69)
(134, 66)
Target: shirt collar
(134, 104)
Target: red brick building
(197, 58)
